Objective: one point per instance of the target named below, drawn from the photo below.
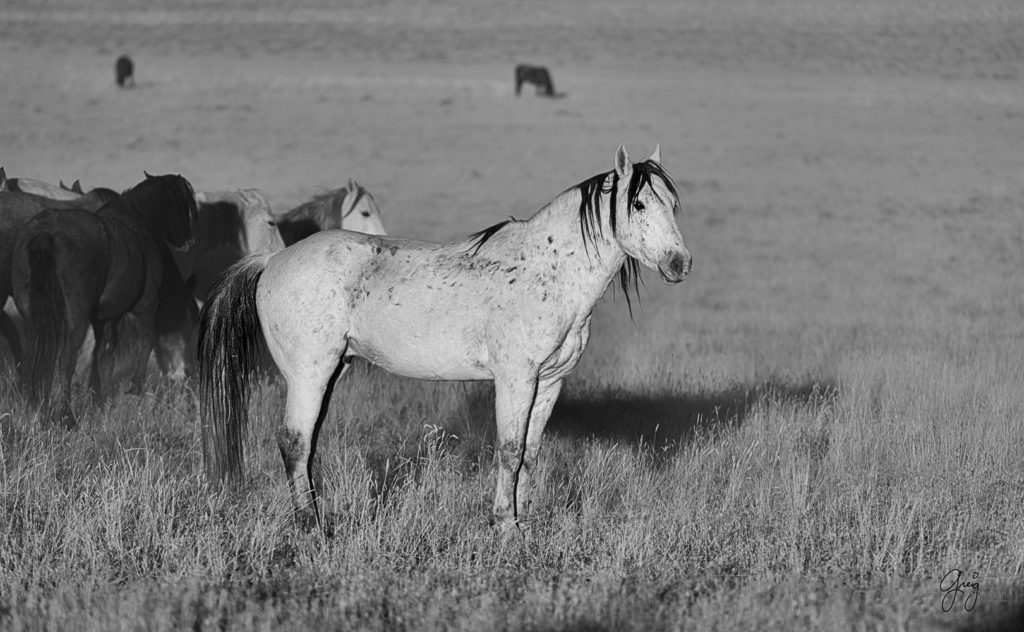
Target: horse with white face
(511, 304)
(351, 207)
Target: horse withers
(511, 304)
(72, 269)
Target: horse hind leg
(120, 354)
(57, 404)
(306, 406)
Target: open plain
(816, 431)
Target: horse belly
(426, 340)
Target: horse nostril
(681, 265)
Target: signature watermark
(954, 584)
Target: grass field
(808, 434)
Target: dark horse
(16, 208)
(538, 76)
(124, 72)
(73, 268)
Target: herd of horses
(316, 287)
(125, 273)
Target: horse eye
(365, 213)
(638, 205)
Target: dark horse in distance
(538, 76)
(124, 72)
(72, 269)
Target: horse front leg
(513, 400)
(543, 404)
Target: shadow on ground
(669, 420)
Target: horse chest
(567, 354)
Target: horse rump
(45, 322)
(229, 348)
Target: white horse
(511, 304)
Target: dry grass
(831, 491)
(807, 435)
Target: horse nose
(681, 264)
(676, 267)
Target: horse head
(261, 235)
(359, 211)
(647, 230)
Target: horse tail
(46, 324)
(229, 350)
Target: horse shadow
(661, 424)
(669, 421)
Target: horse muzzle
(676, 267)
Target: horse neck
(588, 262)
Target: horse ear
(623, 167)
(147, 174)
(64, 186)
(3, 179)
(77, 187)
(656, 156)
(352, 184)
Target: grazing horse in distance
(351, 207)
(16, 208)
(124, 72)
(72, 269)
(511, 304)
(538, 76)
(231, 225)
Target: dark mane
(480, 237)
(167, 203)
(591, 191)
